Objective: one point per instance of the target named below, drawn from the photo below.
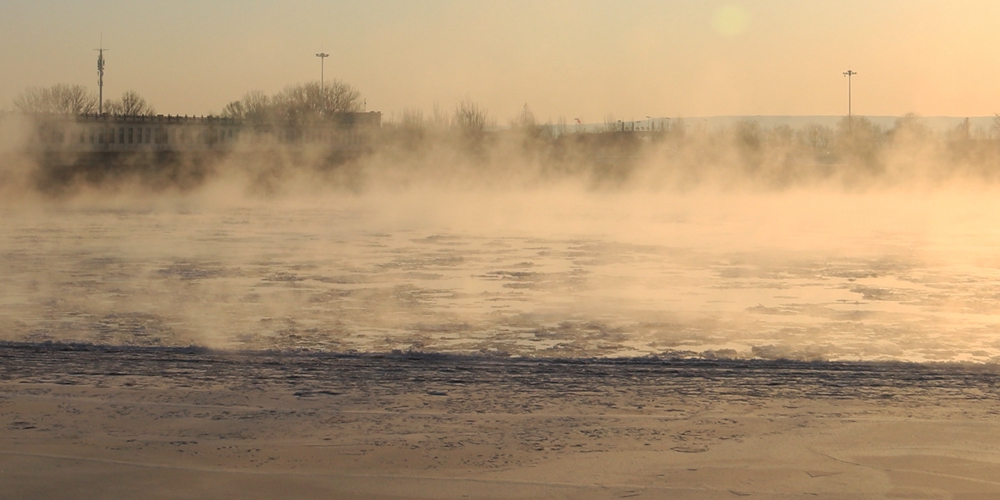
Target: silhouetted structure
(182, 151)
(106, 133)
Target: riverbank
(177, 423)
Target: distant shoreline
(937, 123)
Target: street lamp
(322, 56)
(849, 74)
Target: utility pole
(849, 74)
(100, 77)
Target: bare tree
(297, 103)
(254, 106)
(235, 110)
(130, 104)
(533, 135)
(60, 98)
(816, 137)
(440, 120)
(340, 97)
(470, 119)
(861, 138)
(612, 125)
(412, 119)
(525, 120)
(910, 127)
(310, 101)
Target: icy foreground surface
(897, 276)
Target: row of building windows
(185, 135)
(148, 135)
(140, 135)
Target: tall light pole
(100, 77)
(321, 57)
(322, 93)
(849, 74)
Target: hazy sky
(564, 58)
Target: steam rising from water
(440, 253)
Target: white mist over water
(556, 271)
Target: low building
(344, 132)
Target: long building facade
(344, 132)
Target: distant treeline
(854, 152)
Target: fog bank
(512, 244)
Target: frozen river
(805, 275)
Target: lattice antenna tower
(100, 77)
